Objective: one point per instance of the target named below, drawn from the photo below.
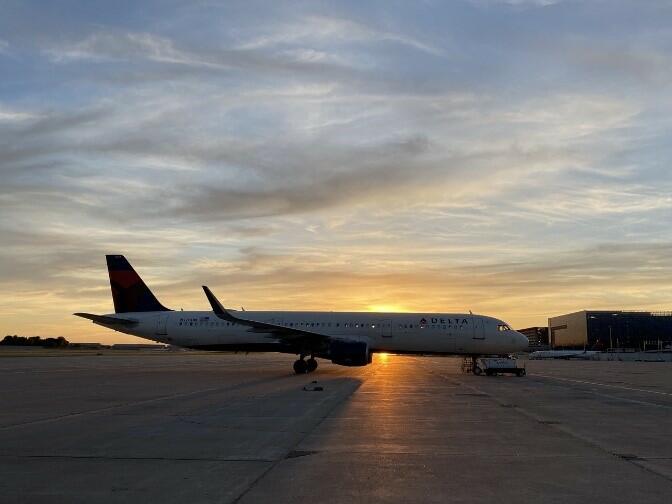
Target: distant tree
(59, 342)
(15, 340)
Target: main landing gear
(470, 365)
(475, 368)
(302, 366)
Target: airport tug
(492, 366)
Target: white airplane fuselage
(403, 333)
(345, 338)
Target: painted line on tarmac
(104, 457)
(601, 384)
(141, 402)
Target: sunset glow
(382, 357)
(387, 308)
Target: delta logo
(438, 320)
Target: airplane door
(478, 328)
(385, 328)
(161, 325)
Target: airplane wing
(289, 335)
(108, 321)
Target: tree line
(15, 340)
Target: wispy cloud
(109, 46)
(13, 115)
(324, 29)
(518, 4)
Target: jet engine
(349, 353)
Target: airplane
(344, 338)
(563, 354)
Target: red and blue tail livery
(129, 292)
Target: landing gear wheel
(300, 366)
(521, 372)
(311, 365)
(477, 370)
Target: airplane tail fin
(129, 292)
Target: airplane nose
(522, 342)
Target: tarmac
(178, 427)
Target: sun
(382, 357)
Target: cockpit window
(503, 327)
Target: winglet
(217, 307)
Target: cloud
(600, 277)
(317, 29)
(105, 46)
(518, 3)
(8, 115)
(624, 62)
(338, 178)
(129, 47)
(236, 177)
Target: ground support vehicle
(492, 366)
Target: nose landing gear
(470, 365)
(302, 366)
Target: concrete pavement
(190, 427)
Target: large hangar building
(601, 330)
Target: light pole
(611, 342)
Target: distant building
(538, 336)
(87, 345)
(138, 346)
(601, 330)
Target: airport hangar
(604, 329)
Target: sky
(506, 157)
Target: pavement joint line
(590, 442)
(601, 384)
(617, 398)
(229, 428)
(103, 457)
(299, 441)
(447, 453)
(137, 403)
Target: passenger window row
(356, 325)
(197, 323)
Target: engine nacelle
(349, 353)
